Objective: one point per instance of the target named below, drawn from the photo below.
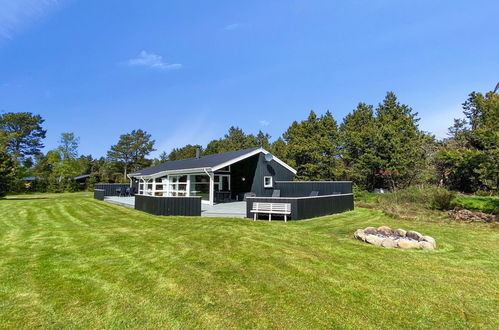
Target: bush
(430, 197)
(442, 199)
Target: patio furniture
(118, 192)
(276, 193)
(314, 193)
(222, 196)
(248, 194)
(127, 192)
(271, 208)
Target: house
(216, 178)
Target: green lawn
(488, 204)
(70, 261)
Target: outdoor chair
(118, 192)
(314, 193)
(276, 193)
(127, 192)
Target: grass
(70, 261)
(487, 204)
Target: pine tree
(313, 147)
(398, 143)
(131, 151)
(357, 134)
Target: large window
(200, 186)
(177, 185)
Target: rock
(413, 234)
(360, 234)
(467, 215)
(426, 245)
(406, 244)
(370, 231)
(400, 233)
(389, 243)
(430, 240)
(374, 240)
(384, 230)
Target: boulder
(389, 243)
(414, 235)
(426, 245)
(360, 234)
(406, 244)
(374, 240)
(430, 240)
(400, 233)
(384, 230)
(370, 231)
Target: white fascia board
(200, 170)
(280, 161)
(249, 154)
(237, 159)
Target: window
(267, 182)
(178, 185)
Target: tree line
(378, 146)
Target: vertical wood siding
(303, 188)
(188, 206)
(110, 188)
(307, 207)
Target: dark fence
(307, 207)
(99, 194)
(190, 206)
(110, 188)
(303, 188)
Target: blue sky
(187, 70)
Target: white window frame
(270, 184)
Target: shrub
(428, 196)
(442, 199)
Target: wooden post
(212, 188)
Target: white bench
(271, 208)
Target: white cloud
(16, 15)
(152, 60)
(231, 27)
(264, 122)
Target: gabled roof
(209, 163)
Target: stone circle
(386, 237)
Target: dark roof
(190, 163)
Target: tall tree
(313, 147)
(357, 133)
(188, 151)
(63, 160)
(469, 159)
(399, 143)
(263, 140)
(22, 134)
(279, 148)
(6, 165)
(234, 140)
(131, 150)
